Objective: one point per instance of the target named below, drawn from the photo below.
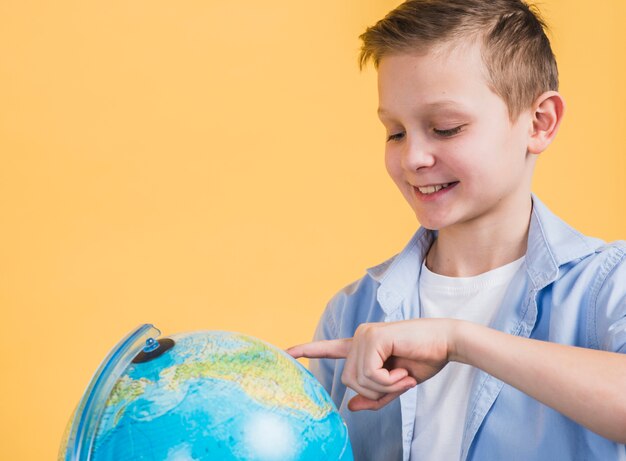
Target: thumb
(359, 403)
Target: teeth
(432, 189)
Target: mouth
(434, 188)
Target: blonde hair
(515, 49)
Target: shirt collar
(397, 276)
(551, 243)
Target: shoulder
(602, 272)
(604, 263)
(615, 252)
(602, 277)
(557, 251)
(609, 267)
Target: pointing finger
(331, 349)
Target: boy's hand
(384, 360)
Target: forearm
(586, 385)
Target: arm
(586, 385)
(384, 360)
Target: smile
(427, 190)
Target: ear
(547, 113)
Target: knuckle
(369, 374)
(371, 332)
(362, 329)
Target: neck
(477, 247)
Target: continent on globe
(211, 395)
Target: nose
(417, 154)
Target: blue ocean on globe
(213, 396)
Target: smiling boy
(499, 331)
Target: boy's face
(451, 148)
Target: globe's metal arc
(85, 423)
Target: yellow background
(218, 165)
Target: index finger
(328, 349)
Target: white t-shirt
(442, 400)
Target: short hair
(515, 49)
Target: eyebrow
(446, 104)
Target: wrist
(457, 340)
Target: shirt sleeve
(610, 303)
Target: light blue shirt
(572, 292)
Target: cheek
(392, 164)
(464, 160)
(480, 155)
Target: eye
(395, 137)
(448, 133)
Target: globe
(205, 395)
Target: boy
(498, 333)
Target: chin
(433, 221)
(430, 224)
